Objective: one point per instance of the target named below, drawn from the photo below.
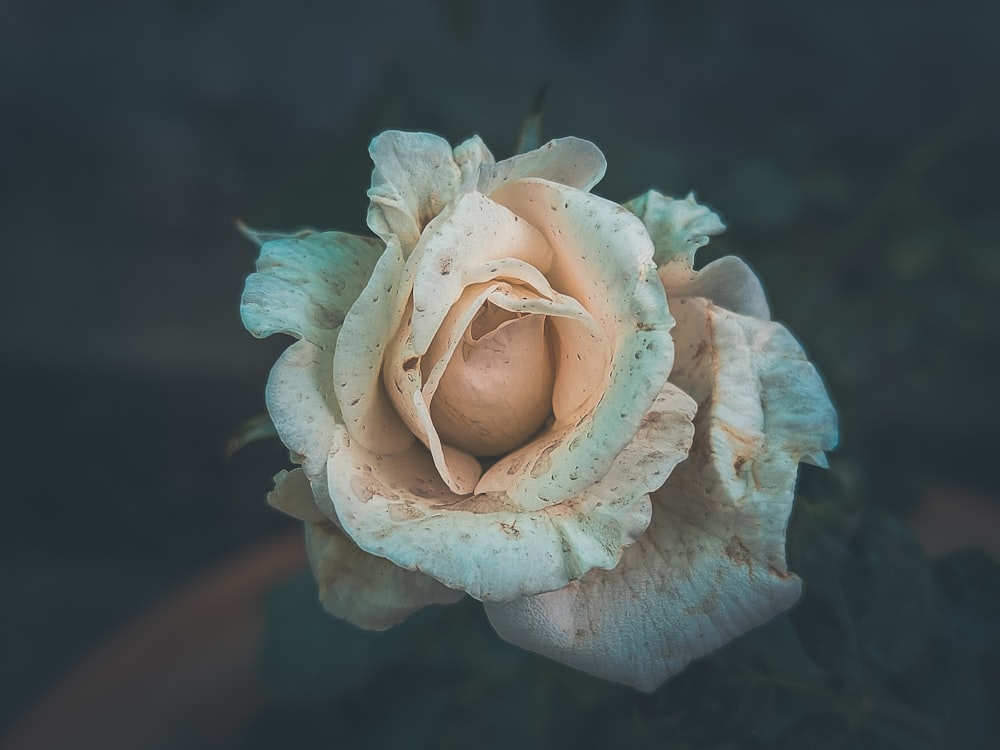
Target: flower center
(496, 391)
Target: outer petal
(365, 590)
(305, 283)
(573, 162)
(728, 282)
(678, 228)
(300, 400)
(470, 155)
(293, 495)
(415, 177)
(398, 507)
(711, 565)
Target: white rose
(480, 404)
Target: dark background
(852, 148)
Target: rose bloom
(525, 393)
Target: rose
(492, 398)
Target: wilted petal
(305, 283)
(712, 564)
(415, 177)
(568, 161)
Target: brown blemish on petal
(484, 502)
(738, 437)
(739, 554)
(366, 487)
(404, 512)
(544, 461)
(738, 463)
(510, 529)
(425, 488)
(651, 419)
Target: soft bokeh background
(852, 148)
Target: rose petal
(495, 394)
(602, 257)
(305, 283)
(569, 161)
(470, 155)
(293, 495)
(712, 564)
(397, 507)
(798, 421)
(728, 282)
(357, 362)
(299, 397)
(415, 177)
(476, 231)
(678, 229)
(678, 226)
(403, 382)
(365, 590)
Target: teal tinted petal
(678, 226)
(415, 177)
(305, 283)
(299, 397)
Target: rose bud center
(496, 391)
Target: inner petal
(489, 318)
(496, 391)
